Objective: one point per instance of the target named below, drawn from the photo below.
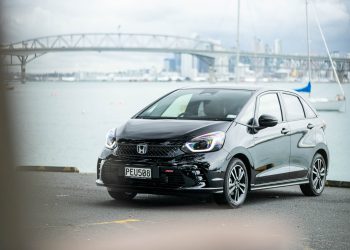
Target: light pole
(237, 43)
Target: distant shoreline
(165, 82)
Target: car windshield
(198, 104)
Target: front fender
(241, 151)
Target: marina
(137, 124)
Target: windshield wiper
(155, 117)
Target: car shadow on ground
(146, 201)
(264, 196)
(157, 201)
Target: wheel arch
(324, 154)
(322, 149)
(246, 162)
(244, 155)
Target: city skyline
(268, 21)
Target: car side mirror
(266, 121)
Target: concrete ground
(67, 211)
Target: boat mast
(308, 40)
(237, 43)
(325, 44)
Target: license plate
(142, 173)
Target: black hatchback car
(223, 141)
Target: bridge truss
(21, 53)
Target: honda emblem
(142, 148)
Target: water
(64, 124)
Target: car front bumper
(161, 190)
(197, 173)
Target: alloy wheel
(318, 175)
(237, 184)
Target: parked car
(223, 141)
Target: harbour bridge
(23, 52)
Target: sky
(210, 19)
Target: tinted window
(269, 105)
(308, 111)
(294, 109)
(194, 104)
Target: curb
(48, 169)
(344, 184)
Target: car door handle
(284, 131)
(310, 126)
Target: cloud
(266, 19)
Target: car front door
(271, 148)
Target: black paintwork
(275, 155)
(168, 129)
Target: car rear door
(271, 148)
(303, 134)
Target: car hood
(158, 129)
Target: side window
(293, 106)
(269, 105)
(308, 111)
(248, 115)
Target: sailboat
(324, 104)
(338, 103)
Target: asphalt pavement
(67, 211)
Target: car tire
(236, 183)
(317, 177)
(122, 196)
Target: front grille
(110, 175)
(173, 180)
(130, 149)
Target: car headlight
(205, 143)
(111, 140)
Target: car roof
(234, 86)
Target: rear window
(308, 110)
(199, 104)
(294, 109)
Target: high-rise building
(166, 64)
(231, 64)
(267, 61)
(204, 64)
(189, 66)
(222, 65)
(277, 48)
(177, 59)
(169, 65)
